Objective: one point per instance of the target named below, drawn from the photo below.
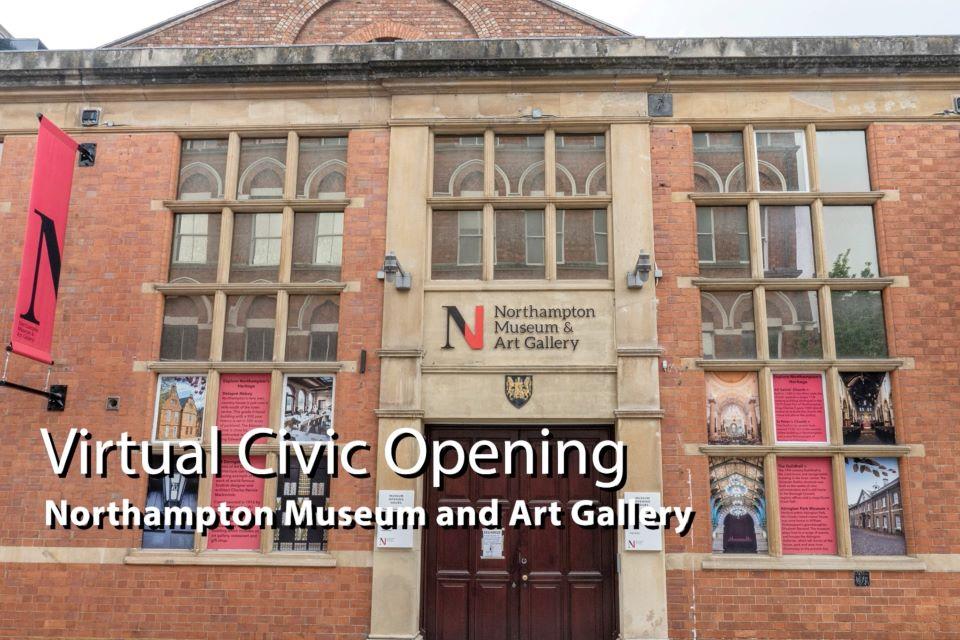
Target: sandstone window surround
(789, 283)
(533, 202)
(254, 288)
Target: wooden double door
(547, 583)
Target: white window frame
(461, 235)
(527, 237)
(561, 222)
(712, 234)
(601, 238)
(336, 240)
(269, 239)
(179, 236)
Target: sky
(86, 25)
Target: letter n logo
(473, 337)
(48, 236)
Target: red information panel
(56, 155)
(237, 488)
(798, 407)
(807, 524)
(244, 404)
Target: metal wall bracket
(56, 397)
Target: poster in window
(799, 408)
(298, 486)
(738, 506)
(733, 408)
(179, 409)
(875, 504)
(174, 490)
(867, 408)
(236, 487)
(807, 524)
(243, 404)
(308, 407)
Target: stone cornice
(410, 66)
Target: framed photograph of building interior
(800, 408)
(179, 410)
(875, 504)
(733, 407)
(738, 507)
(308, 407)
(866, 405)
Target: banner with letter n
(32, 335)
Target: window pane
(249, 328)
(203, 165)
(718, 162)
(519, 255)
(842, 161)
(850, 242)
(312, 327)
(317, 247)
(733, 407)
(458, 165)
(581, 164)
(782, 160)
(583, 243)
(858, 324)
(196, 247)
(174, 490)
(793, 322)
(322, 168)
(519, 165)
(256, 247)
(262, 168)
(296, 486)
(728, 326)
(875, 508)
(723, 242)
(787, 238)
(866, 404)
(738, 505)
(457, 245)
(187, 321)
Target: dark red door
(551, 583)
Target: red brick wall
(340, 21)
(115, 243)
(919, 237)
(277, 22)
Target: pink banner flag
(32, 334)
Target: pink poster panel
(807, 524)
(799, 410)
(237, 488)
(244, 404)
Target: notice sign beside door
(491, 545)
(395, 538)
(641, 538)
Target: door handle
(525, 577)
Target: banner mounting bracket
(56, 396)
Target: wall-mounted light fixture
(393, 272)
(641, 273)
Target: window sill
(813, 563)
(257, 205)
(519, 285)
(231, 558)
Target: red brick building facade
(797, 202)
